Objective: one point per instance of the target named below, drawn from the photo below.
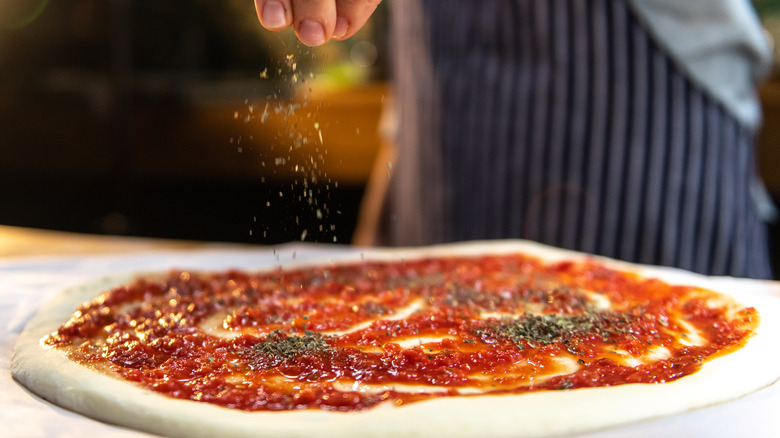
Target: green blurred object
(767, 8)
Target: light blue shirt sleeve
(720, 44)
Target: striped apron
(564, 123)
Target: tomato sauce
(349, 337)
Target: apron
(564, 123)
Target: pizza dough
(50, 374)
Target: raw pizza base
(48, 373)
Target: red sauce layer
(342, 337)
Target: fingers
(274, 14)
(316, 21)
(351, 15)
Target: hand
(316, 21)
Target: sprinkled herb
(277, 344)
(548, 329)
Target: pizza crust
(49, 373)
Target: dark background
(142, 117)
(127, 117)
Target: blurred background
(184, 119)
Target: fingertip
(342, 26)
(273, 15)
(311, 33)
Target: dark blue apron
(564, 123)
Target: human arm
(316, 21)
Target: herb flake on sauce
(550, 328)
(279, 345)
